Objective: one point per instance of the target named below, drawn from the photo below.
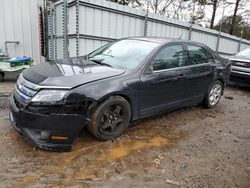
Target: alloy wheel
(111, 119)
(215, 94)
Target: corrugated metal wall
(92, 23)
(19, 21)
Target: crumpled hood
(70, 72)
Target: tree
(232, 27)
(215, 5)
(127, 2)
(179, 9)
(241, 27)
(160, 6)
(123, 2)
(196, 11)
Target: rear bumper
(240, 76)
(55, 132)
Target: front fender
(99, 91)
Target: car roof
(160, 40)
(164, 40)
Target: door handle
(171, 79)
(182, 76)
(212, 69)
(164, 80)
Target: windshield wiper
(99, 61)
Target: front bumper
(54, 125)
(240, 76)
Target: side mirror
(151, 68)
(211, 60)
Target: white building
(20, 22)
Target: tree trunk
(231, 29)
(214, 13)
(156, 6)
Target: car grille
(57, 109)
(240, 64)
(24, 91)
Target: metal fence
(80, 26)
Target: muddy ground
(191, 147)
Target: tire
(1, 76)
(17, 76)
(213, 94)
(110, 119)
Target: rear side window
(169, 57)
(198, 55)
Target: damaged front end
(51, 125)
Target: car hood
(69, 73)
(240, 58)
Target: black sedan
(123, 81)
(241, 68)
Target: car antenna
(180, 36)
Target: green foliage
(241, 28)
(196, 11)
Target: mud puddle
(92, 160)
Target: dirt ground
(191, 147)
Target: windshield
(125, 54)
(244, 53)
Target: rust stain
(125, 149)
(26, 181)
(120, 150)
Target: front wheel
(110, 119)
(213, 94)
(1, 76)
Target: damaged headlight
(49, 95)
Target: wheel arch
(2, 73)
(223, 83)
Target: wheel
(1, 76)
(17, 76)
(213, 94)
(110, 119)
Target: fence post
(48, 15)
(218, 42)
(77, 28)
(54, 35)
(190, 32)
(146, 20)
(65, 29)
(239, 44)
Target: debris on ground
(229, 97)
(4, 100)
(173, 182)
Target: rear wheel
(110, 119)
(213, 94)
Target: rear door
(200, 73)
(164, 87)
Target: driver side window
(169, 57)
